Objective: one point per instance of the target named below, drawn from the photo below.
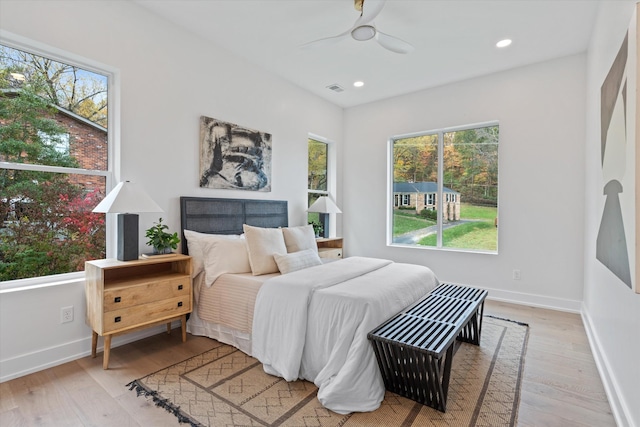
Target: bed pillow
(262, 244)
(196, 243)
(225, 256)
(300, 238)
(297, 260)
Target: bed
(304, 318)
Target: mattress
(224, 311)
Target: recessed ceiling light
(503, 43)
(358, 84)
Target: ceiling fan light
(363, 33)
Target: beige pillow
(297, 260)
(300, 238)
(262, 244)
(225, 256)
(196, 243)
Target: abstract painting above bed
(234, 157)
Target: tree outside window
(53, 149)
(449, 178)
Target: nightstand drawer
(330, 252)
(124, 297)
(148, 313)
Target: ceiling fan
(364, 29)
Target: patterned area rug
(225, 387)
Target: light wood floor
(561, 384)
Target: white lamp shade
(324, 205)
(127, 197)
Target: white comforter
(313, 324)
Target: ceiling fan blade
(393, 44)
(370, 10)
(327, 41)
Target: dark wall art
(615, 245)
(234, 157)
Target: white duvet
(313, 323)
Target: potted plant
(317, 228)
(161, 241)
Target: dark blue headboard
(226, 216)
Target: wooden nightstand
(329, 247)
(125, 296)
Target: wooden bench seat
(415, 348)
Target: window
(317, 175)
(54, 164)
(59, 142)
(458, 166)
(430, 200)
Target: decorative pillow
(297, 260)
(300, 238)
(196, 243)
(225, 256)
(262, 243)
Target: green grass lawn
(404, 222)
(480, 234)
(471, 235)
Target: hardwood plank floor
(561, 385)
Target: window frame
(113, 147)
(331, 178)
(439, 195)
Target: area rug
(225, 387)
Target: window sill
(433, 248)
(41, 282)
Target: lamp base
(324, 220)
(127, 237)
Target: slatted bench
(415, 348)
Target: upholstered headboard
(226, 216)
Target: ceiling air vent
(335, 87)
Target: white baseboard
(532, 300)
(53, 356)
(620, 410)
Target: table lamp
(124, 199)
(324, 206)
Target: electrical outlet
(66, 314)
(516, 274)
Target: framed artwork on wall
(234, 157)
(619, 232)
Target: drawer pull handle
(179, 287)
(117, 319)
(117, 299)
(180, 304)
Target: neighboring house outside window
(423, 195)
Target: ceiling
(453, 39)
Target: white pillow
(297, 260)
(196, 243)
(262, 243)
(225, 256)
(300, 238)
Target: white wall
(612, 310)
(168, 78)
(542, 123)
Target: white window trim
(113, 142)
